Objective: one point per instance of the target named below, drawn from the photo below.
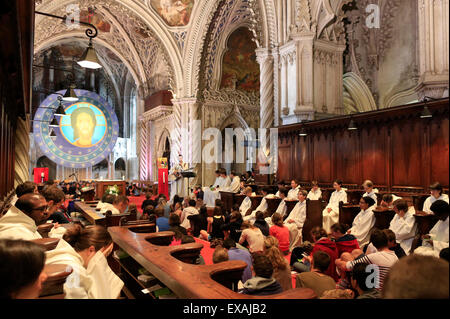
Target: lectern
(188, 174)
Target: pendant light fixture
(89, 58)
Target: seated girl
(86, 250)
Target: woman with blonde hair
(281, 268)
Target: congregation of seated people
(336, 264)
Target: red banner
(163, 181)
(40, 174)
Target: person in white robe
(293, 192)
(226, 181)
(178, 186)
(21, 220)
(247, 202)
(188, 211)
(280, 185)
(262, 207)
(370, 191)
(363, 222)
(282, 208)
(108, 206)
(436, 194)
(330, 215)
(235, 183)
(210, 194)
(437, 239)
(17, 225)
(315, 193)
(91, 276)
(388, 201)
(295, 220)
(118, 206)
(403, 225)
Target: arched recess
(100, 170)
(357, 95)
(44, 161)
(164, 147)
(236, 121)
(197, 53)
(120, 168)
(138, 11)
(77, 34)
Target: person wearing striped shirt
(383, 259)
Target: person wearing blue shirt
(239, 254)
(161, 222)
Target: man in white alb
(235, 183)
(22, 219)
(364, 221)
(247, 202)
(403, 225)
(370, 191)
(315, 193)
(178, 186)
(330, 214)
(282, 208)
(436, 194)
(293, 192)
(210, 194)
(261, 208)
(294, 222)
(437, 239)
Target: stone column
(22, 157)
(144, 160)
(433, 48)
(265, 60)
(185, 140)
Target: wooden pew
(290, 204)
(425, 222)
(93, 216)
(272, 205)
(314, 210)
(383, 217)
(114, 220)
(227, 199)
(353, 196)
(238, 199)
(256, 200)
(186, 280)
(347, 213)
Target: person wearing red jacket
(323, 243)
(344, 242)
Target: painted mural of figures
(174, 12)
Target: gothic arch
(142, 13)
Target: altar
(102, 185)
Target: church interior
(224, 149)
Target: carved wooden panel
(285, 164)
(406, 154)
(395, 148)
(439, 152)
(373, 146)
(322, 158)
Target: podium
(188, 174)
